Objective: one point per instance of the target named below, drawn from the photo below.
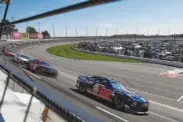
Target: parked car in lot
(9, 52)
(42, 67)
(113, 91)
(22, 59)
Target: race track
(163, 92)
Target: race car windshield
(118, 86)
(24, 56)
(13, 51)
(45, 64)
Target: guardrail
(60, 106)
(156, 61)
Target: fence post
(29, 105)
(6, 86)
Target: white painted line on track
(180, 98)
(162, 117)
(166, 106)
(31, 73)
(101, 109)
(155, 95)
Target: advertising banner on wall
(39, 36)
(35, 36)
(25, 36)
(17, 35)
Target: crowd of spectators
(163, 50)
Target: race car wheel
(119, 102)
(37, 71)
(82, 88)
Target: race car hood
(12, 53)
(50, 68)
(24, 59)
(136, 97)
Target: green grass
(68, 52)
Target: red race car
(9, 52)
(42, 67)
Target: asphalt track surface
(163, 92)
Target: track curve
(162, 91)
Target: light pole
(106, 32)
(137, 31)
(158, 31)
(96, 31)
(76, 32)
(39, 27)
(86, 32)
(65, 31)
(147, 31)
(116, 31)
(157, 35)
(27, 29)
(127, 31)
(169, 31)
(53, 30)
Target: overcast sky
(127, 16)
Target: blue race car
(113, 91)
(42, 67)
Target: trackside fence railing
(60, 106)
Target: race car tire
(119, 102)
(82, 88)
(37, 71)
(14, 60)
(28, 67)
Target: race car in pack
(22, 59)
(9, 52)
(113, 91)
(42, 67)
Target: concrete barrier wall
(53, 117)
(16, 88)
(162, 62)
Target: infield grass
(68, 52)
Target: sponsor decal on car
(96, 88)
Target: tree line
(31, 30)
(8, 30)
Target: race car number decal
(96, 88)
